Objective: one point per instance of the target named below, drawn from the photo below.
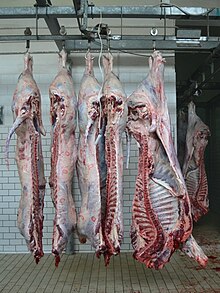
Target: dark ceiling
(186, 64)
(198, 72)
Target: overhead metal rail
(141, 44)
(82, 11)
(113, 12)
(52, 14)
(127, 43)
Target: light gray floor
(85, 273)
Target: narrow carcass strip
(194, 166)
(28, 126)
(182, 123)
(115, 109)
(63, 114)
(161, 219)
(89, 218)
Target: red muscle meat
(115, 111)
(194, 166)
(28, 126)
(63, 113)
(161, 220)
(89, 218)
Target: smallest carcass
(194, 165)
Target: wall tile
(131, 72)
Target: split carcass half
(63, 112)
(194, 166)
(161, 220)
(115, 110)
(26, 108)
(88, 162)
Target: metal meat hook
(154, 45)
(27, 32)
(63, 32)
(88, 50)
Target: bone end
(82, 239)
(57, 260)
(57, 257)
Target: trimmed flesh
(161, 219)
(89, 218)
(194, 165)
(28, 126)
(63, 156)
(115, 115)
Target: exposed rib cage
(114, 118)
(164, 204)
(112, 229)
(57, 232)
(146, 232)
(161, 201)
(36, 218)
(54, 159)
(101, 157)
(194, 167)
(26, 107)
(197, 186)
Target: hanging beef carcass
(194, 166)
(161, 220)
(88, 162)
(63, 111)
(28, 126)
(115, 110)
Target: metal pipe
(84, 26)
(211, 43)
(32, 53)
(17, 38)
(72, 27)
(165, 23)
(52, 22)
(81, 52)
(36, 21)
(129, 42)
(76, 3)
(84, 11)
(110, 12)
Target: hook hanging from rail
(154, 45)
(63, 32)
(89, 46)
(108, 44)
(88, 50)
(154, 33)
(27, 32)
(108, 36)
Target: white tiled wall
(131, 70)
